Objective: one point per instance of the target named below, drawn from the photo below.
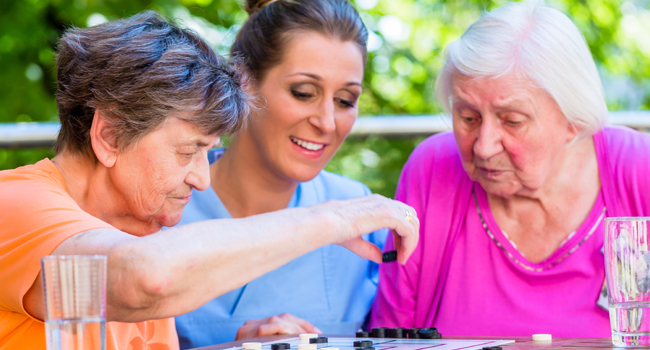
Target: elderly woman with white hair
(512, 203)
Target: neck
(246, 184)
(90, 186)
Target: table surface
(520, 342)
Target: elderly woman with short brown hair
(141, 102)
(512, 203)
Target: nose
(489, 139)
(324, 118)
(199, 175)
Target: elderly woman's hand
(370, 213)
(278, 324)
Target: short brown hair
(262, 39)
(138, 70)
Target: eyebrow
(512, 102)
(198, 143)
(318, 78)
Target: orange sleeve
(37, 214)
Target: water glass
(75, 301)
(627, 261)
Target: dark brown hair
(262, 39)
(138, 70)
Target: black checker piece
(396, 333)
(413, 333)
(379, 332)
(389, 256)
(429, 333)
(319, 340)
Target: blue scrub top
(330, 287)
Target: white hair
(536, 42)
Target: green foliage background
(407, 46)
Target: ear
(572, 132)
(103, 140)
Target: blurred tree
(406, 46)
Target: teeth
(308, 145)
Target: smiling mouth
(310, 146)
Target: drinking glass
(627, 261)
(75, 301)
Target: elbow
(138, 279)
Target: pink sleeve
(395, 303)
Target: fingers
(364, 249)
(279, 328)
(279, 324)
(406, 234)
(306, 325)
(362, 215)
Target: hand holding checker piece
(392, 255)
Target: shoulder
(38, 214)
(434, 161)
(624, 160)
(623, 150)
(436, 152)
(42, 177)
(333, 186)
(441, 146)
(622, 143)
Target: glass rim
(628, 218)
(74, 257)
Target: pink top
(466, 278)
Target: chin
(169, 219)
(304, 175)
(498, 189)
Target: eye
(345, 103)
(466, 115)
(469, 119)
(302, 96)
(186, 154)
(513, 119)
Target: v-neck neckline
(571, 244)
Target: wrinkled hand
(279, 324)
(367, 214)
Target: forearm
(192, 264)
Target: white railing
(31, 135)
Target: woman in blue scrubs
(306, 61)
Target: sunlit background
(405, 53)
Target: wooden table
(520, 342)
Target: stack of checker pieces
(401, 333)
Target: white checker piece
(396, 344)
